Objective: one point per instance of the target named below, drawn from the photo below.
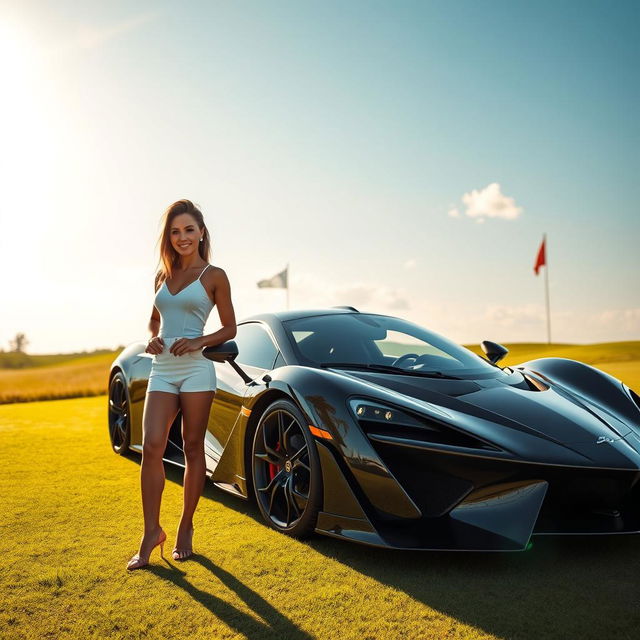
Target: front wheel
(119, 414)
(287, 480)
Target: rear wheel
(287, 480)
(119, 414)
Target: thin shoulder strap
(200, 276)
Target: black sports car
(372, 428)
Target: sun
(25, 126)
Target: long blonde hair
(169, 257)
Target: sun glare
(16, 56)
(18, 78)
(24, 125)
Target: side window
(255, 346)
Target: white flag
(278, 281)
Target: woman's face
(185, 234)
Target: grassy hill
(64, 377)
(20, 360)
(75, 375)
(72, 517)
(619, 359)
(590, 353)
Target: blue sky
(333, 136)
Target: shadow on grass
(275, 623)
(564, 587)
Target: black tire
(287, 480)
(119, 414)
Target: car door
(256, 354)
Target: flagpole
(546, 287)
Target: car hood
(555, 414)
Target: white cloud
(368, 295)
(525, 316)
(410, 263)
(313, 291)
(462, 322)
(489, 202)
(627, 320)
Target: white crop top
(184, 314)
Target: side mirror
(225, 352)
(494, 351)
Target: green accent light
(529, 546)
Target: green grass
(71, 518)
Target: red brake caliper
(274, 468)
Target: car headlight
(375, 412)
(383, 423)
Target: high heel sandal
(176, 552)
(137, 561)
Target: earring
(201, 239)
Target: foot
(184, 542)
(149, 542)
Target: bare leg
(160, 410)
(196, 406)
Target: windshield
(376, 340)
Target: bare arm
(154, 325)
(222, 296)
(154, 322)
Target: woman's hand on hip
(185, 345)
(155, 345)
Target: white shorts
(175, 374)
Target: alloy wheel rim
(281, 468)
(118, 412)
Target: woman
(187, 288)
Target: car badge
(602, 439)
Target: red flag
(541, 260)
